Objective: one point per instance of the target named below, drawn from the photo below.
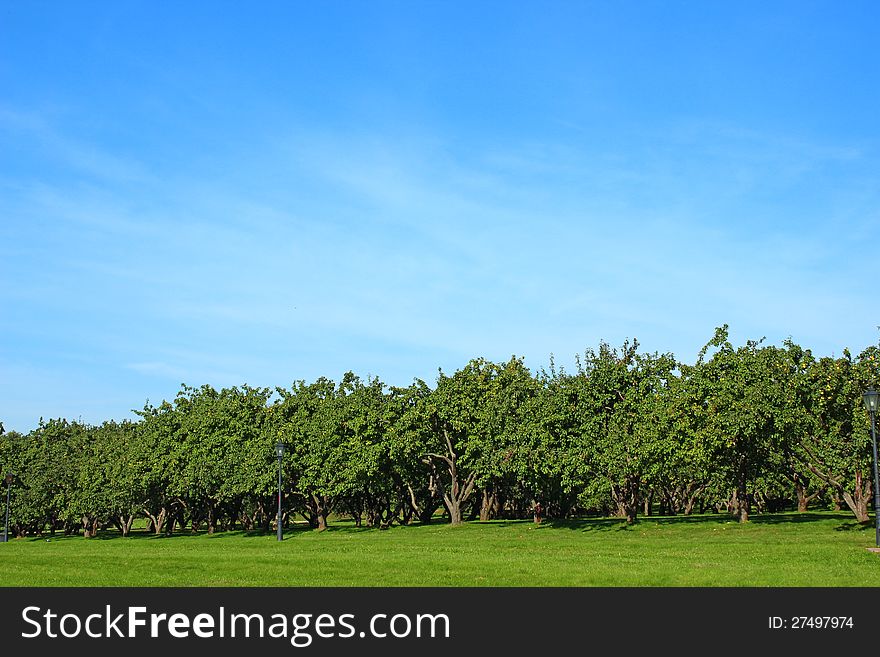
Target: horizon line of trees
(743, 429)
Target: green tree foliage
(835, 447)
(744, 428)
(748, 403)
(621, 397)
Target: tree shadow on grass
(179, 534)
(593, 524)
(619, 524)
(549, 524)
(796, 517)
(854, 526)
(296, 530)
(588, 524)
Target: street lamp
(279, 450)
(9, 478)
(872, 402)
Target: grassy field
(813, 549)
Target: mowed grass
(813, 549)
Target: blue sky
(229, 194)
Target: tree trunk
(690, 496)
(156, 522)
(742, 503)
(801, 492)
(488, 508)
(124, 524)
(458, 492)
(247, 522)
(265, 518)
(169, 525)
(321, 510)
(425, 513)
(858, 500)
(454, 508)
(90, 526)
(626, 497)
(803, 497)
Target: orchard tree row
(743, 429)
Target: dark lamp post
(9, 478)
(279, 451)
(872, 399)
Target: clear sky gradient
(257, 193)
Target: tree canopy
(743, 429)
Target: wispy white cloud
(84, 157)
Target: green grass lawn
(813, 549)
